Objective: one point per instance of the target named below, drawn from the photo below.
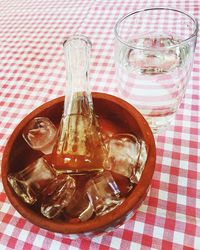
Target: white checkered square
(139, 227)
(158, 232)
(23, 235)
(163, 195)
(9, 229)
(115, 242)
(178, 238)
(39, 240)
(181, 199)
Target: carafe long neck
(77, 96)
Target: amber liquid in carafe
(79, 147)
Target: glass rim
(182, 42)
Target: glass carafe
(79, 147)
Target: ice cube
(141, 161)
(29, 182)
(57, 195)
(123, 154)
(124, 184)
(151, 62)
(103, 193)
(80, 206)
(126, 156)
(40, 134)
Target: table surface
(32, 72)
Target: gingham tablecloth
(32, 72)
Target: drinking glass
(154, 51)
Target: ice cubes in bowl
(29, 182)
(103, 193)
(79, 207)
(57, 195)
(40, 134)
(125, 119)
(126, 155)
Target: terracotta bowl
(115, 115)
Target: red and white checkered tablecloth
(32, 72)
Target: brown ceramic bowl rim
(101, 221)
